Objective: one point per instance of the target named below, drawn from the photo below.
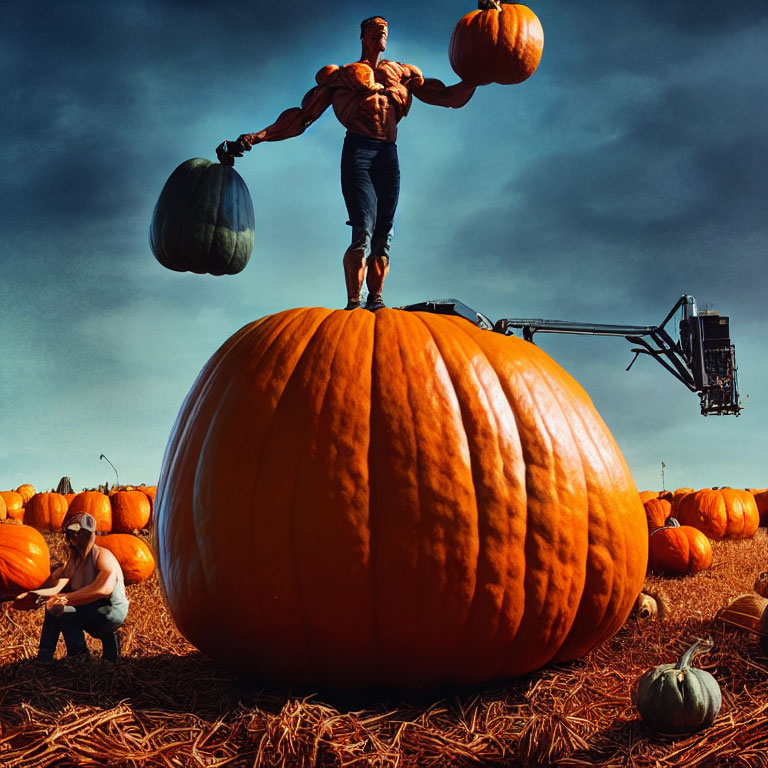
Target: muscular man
(369, 98)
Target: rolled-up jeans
(99, 619)
(370, 183)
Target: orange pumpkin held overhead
(719, 512)
(46, 511)
(498, 43)
(395, 497)
(24, 559)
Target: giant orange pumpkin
(134, 556)
(358, 498)
(46, 511)
(94, 503)
(498, 43)
(678, 549)
(719, 512)
(24, 560)
(130, 511)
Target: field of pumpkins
(682, 682)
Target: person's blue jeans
(370, 183)
(98, 619)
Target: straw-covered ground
(164, 704)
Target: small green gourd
(679, 698)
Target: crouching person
(86, 594)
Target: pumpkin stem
(700, 646)
(487, 5)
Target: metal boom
(703, 357)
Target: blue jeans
(98, 619)
(370, 183)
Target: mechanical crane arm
(702, 358)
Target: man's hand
(227, 151)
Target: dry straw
(166, 705)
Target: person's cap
(82, 522)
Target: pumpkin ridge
(198, 419)
(333, 348)
(183, 206)
(598, 519)
(534, 361)
(508, 619)
(417, 630)
(483, 565)
(210, 228)
(513, 383)
(257, 343)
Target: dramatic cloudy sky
(629, 170)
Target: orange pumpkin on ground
(46, 511)
(498, 43)
(135, 557)
(14, 504)
(678, 549)
(395, 497)
(761, 499)
(657, 511)
(130, 511)
(647, 495)
(719, 512)
(94, 503)
(677, 495)
(24, 560)
(27, 491)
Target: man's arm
(433, 91)
(102, 586)
(292, 122)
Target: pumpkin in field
(677, 496)
(657, 511)
(94, 503)
(398, 498)
(744, 611)
(203, 221)
(14, 505)
(679, 698)
(678, 549)
(497, 43)
(24, 560)
(46, 511)
(130, 511)
(27, 491)
(719, 512)
(135, 557)
(761, 584)
(761, 499)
